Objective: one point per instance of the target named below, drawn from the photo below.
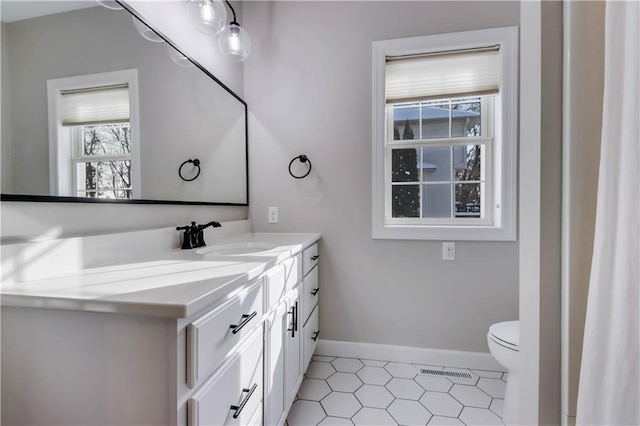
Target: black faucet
(193, 236)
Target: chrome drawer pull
(315, 257)
(238, 408)
(245, 319)
(315, 335)
(315, 291)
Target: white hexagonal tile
(319, 370)
(409, 412)
(434, 383)
(313, 389)
(470, 396)
(344, 382)
(322, 358)
(402, 370)
(444, 421)
(373, 417)
(496, 406)
(340, 404)
(347, 365)
(304, 413)
(477, 416)
(494, 387)
(374, 396)
(335, 421)
(462, 380)
(405, 388)
(489, 374)
(374, 363)
(441, 404)
(374, 375)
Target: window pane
(435, 120)
(436, 200)
(405, 122)
(467, 162)
(404, 165)
(108, 139)
(465, 117)
(405, 201)
(468, 200)
(436, 163)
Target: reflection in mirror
(93, 110)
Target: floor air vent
(445, 373)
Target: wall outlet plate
(449, 251)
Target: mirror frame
(62, 199)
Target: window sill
(448, 233)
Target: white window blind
(97, 105)
(442, 75)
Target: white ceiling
(17, 10)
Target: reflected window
(96, 144)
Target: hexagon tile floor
(349, 391)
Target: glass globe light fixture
(210, 16)
(234, 41)
(145, 31)
(110, 4)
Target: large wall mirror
(96, 107)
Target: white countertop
(172, 283)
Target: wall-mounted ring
(303, 159)
(196, 163)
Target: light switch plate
(273, 215)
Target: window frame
(61, 165)
(78, 158)
(503, 162)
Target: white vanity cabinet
(237, 359)
(283, 372)
(311, 291)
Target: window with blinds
(96, 153)
(440, 156)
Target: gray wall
(27, 220)
(308, 85)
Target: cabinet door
(275, 371)
(293, 357)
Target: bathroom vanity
(220, 335)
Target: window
(445, 136)
(94, 143)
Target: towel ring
(196, 163)
(303, 159)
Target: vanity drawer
(235, 391)
(281, 279)
(310, 291)
(309, 259)
(212, 336)
(310, 333)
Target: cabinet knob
(315, 335)
(315, 257)
(315, 291)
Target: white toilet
(504, 345)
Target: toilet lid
(506, 333)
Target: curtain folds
(609, 390)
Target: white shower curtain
(609, 390)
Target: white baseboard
(413, 355)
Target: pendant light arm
(232, 11)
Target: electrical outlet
(448, 251)
(273, 215)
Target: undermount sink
(236, 249)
